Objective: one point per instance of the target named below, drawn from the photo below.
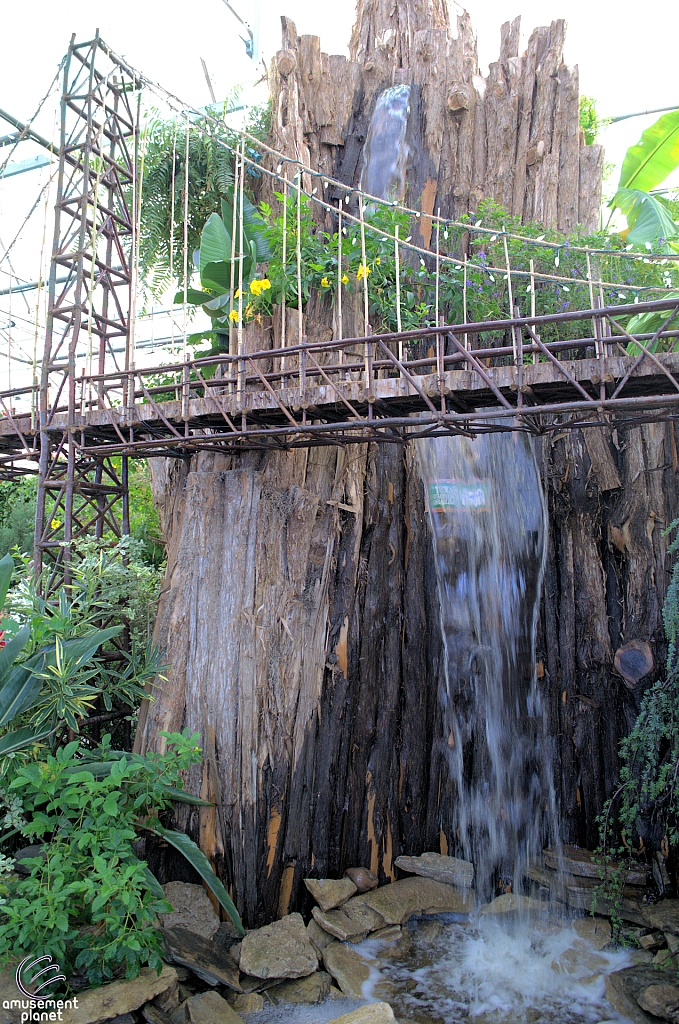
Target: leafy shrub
(89, 901)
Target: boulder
(652, 941)
(280, 950)
(208, 960)
(623, 988)
(580, 961)
(245, 1002)
(393, 932)
(450, 870)
(397, 902)
(597, 932)
(348, 969)
(330, 892)
(312, 989)
(577, 861)
(661, 1000)
(350, 923)
(318, 935)
(513, 903)
(206, 1008)
(363, 878)
(664, 915)
(120, 997)
(192, 909)
(372, 1013)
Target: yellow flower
(237, 293)
(248, 311)
(55, 524)
(378, 261)
(257, 287)
(345, 279)
(233, 315)
(363, 271)
(325, 283)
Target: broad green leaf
(18, 693)
(649, 323)
(6, 570)
(11, 651)
(218, 276)
(655, 156)
(154, 885)
(647, 216)
(182, 797)
(21, 738)
(215, 242)
(254, 225)
(199, 861)
(217, 306)
(193, 297)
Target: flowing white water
(488, 523)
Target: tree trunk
(299, 613)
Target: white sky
(626, 56)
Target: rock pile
(570, 875)
(212, 976)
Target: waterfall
(488, 522)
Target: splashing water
(488, 522)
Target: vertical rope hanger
(300, 320)
(340, 328)
(232, 275)
(241, 250)
(172, 225)
(397, 271)
(186, 234)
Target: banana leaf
(215, 242)
(648, 218)
(201, 864)
(655, 156)
(254, 225)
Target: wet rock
(312, 989)
(206, 1008)
(120, 997)
(330, 892)
(125, 1018)
(661, 1000)
(450, 870)
(672, 942)
(642, 957)
(319, 937)
(429, 931)
(664, 960)
(623, 988)
(280, 950)
(208, 960)
(597, 932)
(153, 1015)
(652, 940)
(168, 1000)
(373, 1013)
(246, 1002)
(192, 909)
(399, 901)
(348, 969)
(363, 878)
(352, 922)
(392, 933)
(513, 903)
(577, 861)
(581, 962)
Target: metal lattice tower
(93, 247)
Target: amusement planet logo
(33, 1006)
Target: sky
(627, 62)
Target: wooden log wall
(513, 136)
(299, 612)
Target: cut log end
(634, 661)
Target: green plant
(590, 121)
(650, 218)
(643, 814)
(89, 901)
(17, 513)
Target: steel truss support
(90, 299)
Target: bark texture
(514, 136)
